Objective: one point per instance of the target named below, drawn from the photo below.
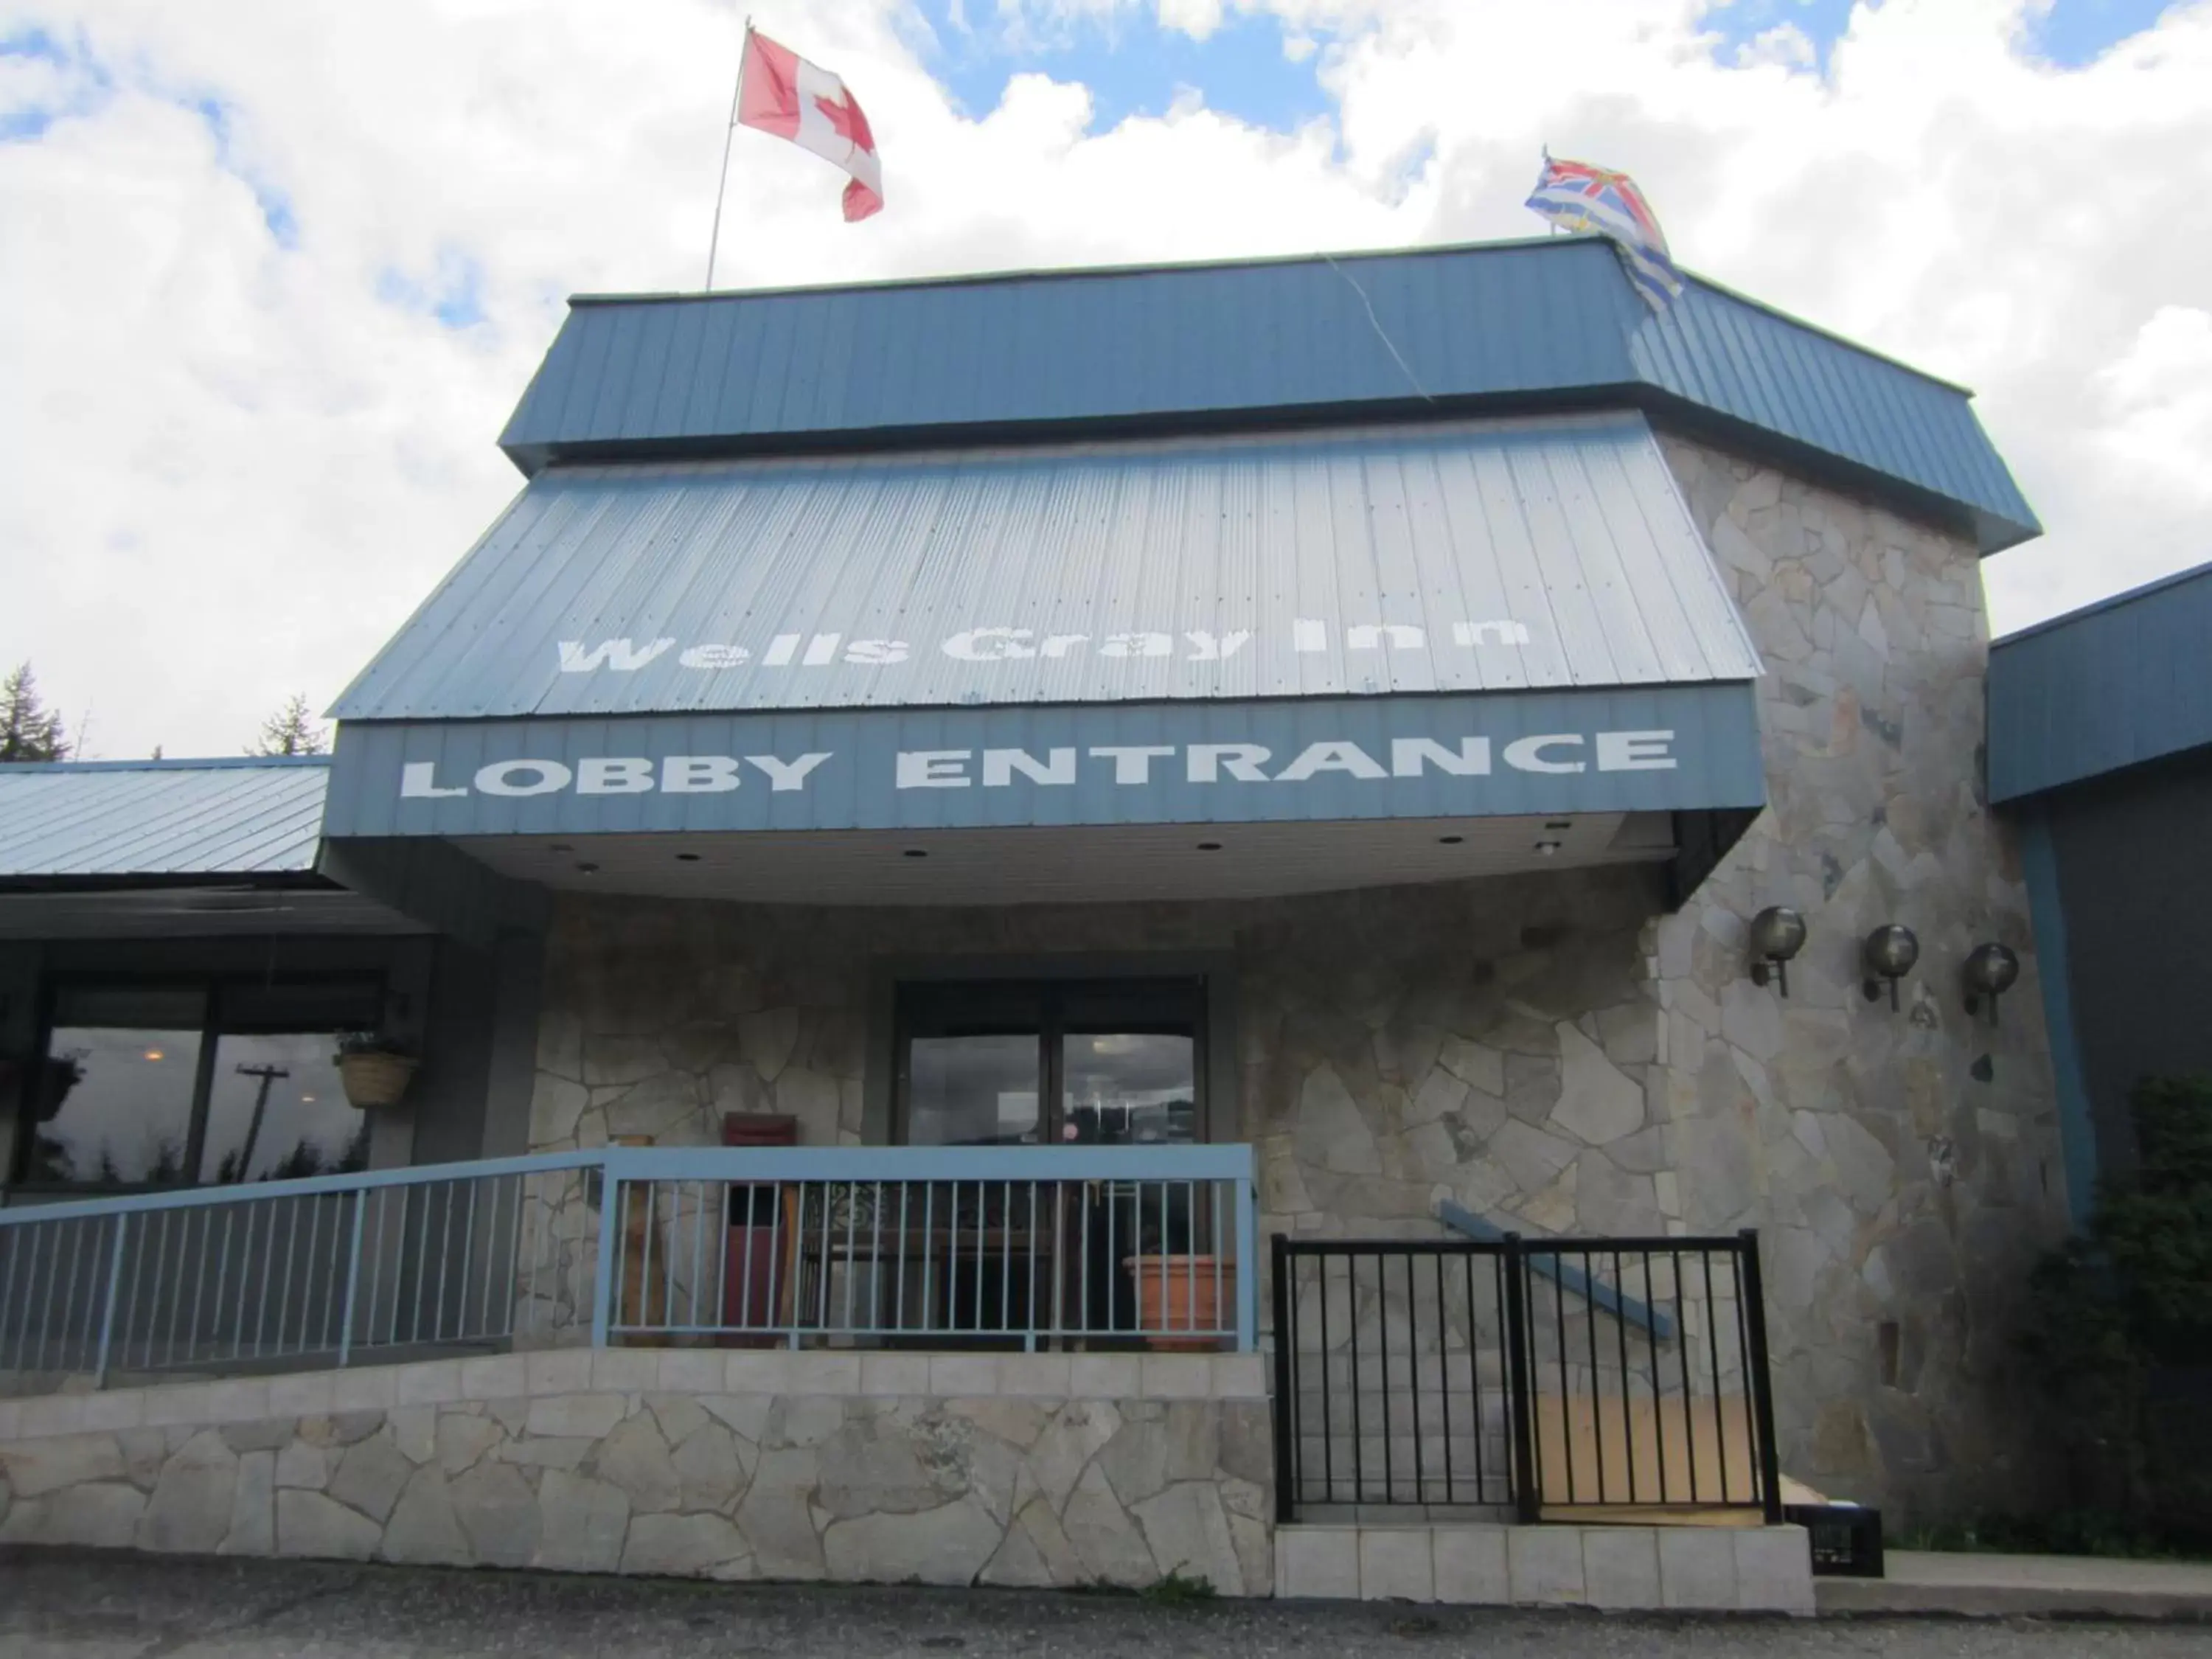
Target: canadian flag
(780, 92)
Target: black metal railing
(1539, 1378)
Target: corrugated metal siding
(1712, 733)
(2119, 684)
(1512, 319)
(1572, 528)
(161, 818)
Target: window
(1112, 1063)
(182, 1082)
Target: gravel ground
(89, 1607)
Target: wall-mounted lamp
(1890, 951)
(1989, 971)
(1778, 933)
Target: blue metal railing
(858, 1247)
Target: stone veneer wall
(1047, 1471)
(1552, 1050)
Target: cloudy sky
(273, 272)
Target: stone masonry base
(1618, 1568)
(955, 1469)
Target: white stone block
(1240, 1376)
(560, 1371)
(1774, 1570)
(820, 1372)
(1177, 1376)
(1697, 1567)
(304, 1393)
(1470, 1566)
(496, 1377)
(11, 1418)
(243, 1400)
(963, 1376)
(432, 1382)
(761, 1370)
(187, 1403)
(625, 1370)
(1395, 1564)
(1545, 1566)
(51, 1413)
(692, 1370)
(113, 1408)
(1620, 1567)
(374, 1389)
(894, 1376)
(1035, 1376)
(1105, 1377)
(1317, 1563)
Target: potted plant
(1181, 1296)
(375, 1069)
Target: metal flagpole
(729, 134)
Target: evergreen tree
(292, 731)
(28, 732)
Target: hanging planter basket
(375, 1078)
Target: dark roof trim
(219, 763)
(2129, 596)
(1248, 262)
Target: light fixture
(915, 853)
(687, 858)
(307, 1100)
(1547, 849)
(1889, 952)
(1989, 971)
(586, 867)
(1209, 847)
(155, 1054)
(559, 847)
(1450, 840)
(1778, 933)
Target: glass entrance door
(1113, 1063)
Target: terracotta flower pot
(1182, 1293)
(372, 1078)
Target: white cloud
(228, 467)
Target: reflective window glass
(1129, 1089)
(112, 1105)
(277, 1112)
(972, 1091)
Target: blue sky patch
(276, 207)
(1131, 65)
(2071, 33)
(453, 294)
(86, 84)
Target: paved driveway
(86, 1606)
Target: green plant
(1174, 1590)
(2117, 1314)
(367, 1042)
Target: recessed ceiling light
(1209, 847)
(1450, 840)
(1546, 849)
(915, 853)
(687, 858)
(586, 867)
(1560, 824)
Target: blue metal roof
(1542, 323)
(1457, 556)
(2122, 682)
(137, 818)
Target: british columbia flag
(1576, 196)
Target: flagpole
(729, 135)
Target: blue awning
(1494, 556)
